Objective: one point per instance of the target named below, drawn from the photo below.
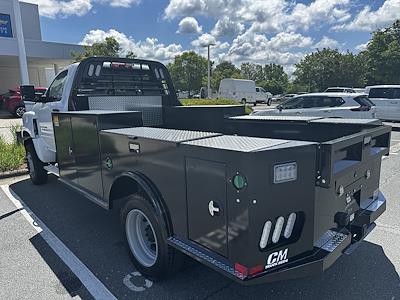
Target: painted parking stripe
(395, 149)
(95, 287)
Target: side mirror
(27, 92)
(280, 107)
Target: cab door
(43, 111)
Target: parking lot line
(395, 149)
(95, 287)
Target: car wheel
(146, 238)
(37, 173)
(19, 111)
(243, 101)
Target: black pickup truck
(257, 199)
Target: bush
(189, 102)
(12, 155)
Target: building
(24, 56)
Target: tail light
(362, 108)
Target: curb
(14, 173)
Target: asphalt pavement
(59, 245)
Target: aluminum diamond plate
(237, 143)
(330, 240)
(275, 118)
(150, 106)
(219, 264)
(163, 134)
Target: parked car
(262, 96)
(339, 90)
(387, 101)
(338, 105)
(13, 103)
(360, 90)
(241, 90)
(288, 96)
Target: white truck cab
(37, 122)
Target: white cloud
(53, 8)
(204, 40)
(327, 42)
(362, 47)
(286, 40)
(150, 48)
(259, 49)
(59, 8)
(189, 25)
(119, 3)
(369, 20)
(227, 27)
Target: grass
(12, 155)
(189, 102)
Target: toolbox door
(206, 202)
(87, 154)
(65, 146)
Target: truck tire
(146, 238)
(37, 173)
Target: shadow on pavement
(94, 235)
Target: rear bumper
(326, 250)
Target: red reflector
(241, 269)
(256, 270)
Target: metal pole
(23, 64)
(209, 74)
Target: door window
(293, 103)
(257, 90)
(56, 89)
(328, 101)
(396, 93)
(385, 93)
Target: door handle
(393, 102)
(298, 112)
(56, 110)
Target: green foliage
(324, 68)
(225, 69)
(108, 47)
(12, 155)
(191, 102)
(382, 57)
(271, 77)
(187, 71)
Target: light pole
(209, 70)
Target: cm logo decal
(277, 258)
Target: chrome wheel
(20, 111)
(141, 238)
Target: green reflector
(239, 182)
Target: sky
(259, 31)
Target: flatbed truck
(258, 199)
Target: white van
(387, 101)
(241, 90)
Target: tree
(108, 47)
(328, 67)
(187, 71)
(382, 57)
(225, 69)
(251, 71)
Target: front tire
(146, 238)
(37, 173)
(19, 111)
(243, 101)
